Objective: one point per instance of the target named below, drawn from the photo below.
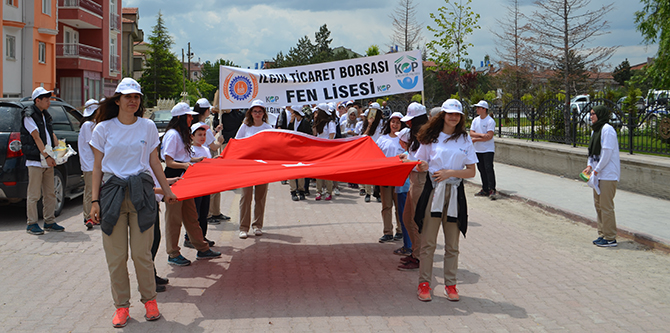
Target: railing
(89, 5)
(114, 63)
(78, 50)
(114, 21)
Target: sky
(250, 31)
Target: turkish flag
(274, 155)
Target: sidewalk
(643, 218)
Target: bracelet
(92, 201)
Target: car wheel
(59, 188)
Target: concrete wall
(644, 174)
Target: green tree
(653, 21)
(210, 74)
(373, 50)
(622, 72)
(575, 70)
(453, 24)
(163, 76)
(322, 50)
(305, 52)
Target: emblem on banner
(405, 67)
(240, 87)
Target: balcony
(81, 14)
(78, 56)
(115, 21)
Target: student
(325, 128)
(86, 156)
(401, 191)
(389, 143)
(255, 121)
(300, 124)
(124, 148)
(373, 128)
(349, 125)
(447, 153)
(482, 132)
(176, 151)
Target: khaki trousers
(88, 189)
(369, 189)
(416, 182)
(116, 253)
(297, 185)
(41, 184)
(259, 194)
(605, 209)
(214, 204)
(176, 214)
(431, 227)
(322, 184)
(389, 200)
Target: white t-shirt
(343, 118)
(85, 153)
(173, 146)
(483, 126)
(247, 131)
(327, 130)
(31, 126)
(126, 148)
(378, 131)
(609, 166)
(200, 151)
(452, 155)
(390, 146)
(346, 127)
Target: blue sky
(249, 31)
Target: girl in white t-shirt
(86, 157)
(447, 153)
(372, 128)
(349, 125)
(124, 148)
(255, 120)
(324, 128)
(389, 143)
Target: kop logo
(271, 99)
(383, 88)
(405, 67)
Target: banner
(366, 77)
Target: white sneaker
(336, 191)
(258, 232)
(243, 234)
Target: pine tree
(163, 76)
(622, 72)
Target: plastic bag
(60, 154)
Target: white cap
(414, 110)
(128, 86)
(39, 91)
(257, 102)
(452, 106)
(404, 134)
(197, 125)
(298, 109)
(395, 115)
(324, 107)
(482, 104)
(181, 109)
(90, 106)
(349, 103)
(375, 105)
(341, 105)
(365, 114)
(331, 106)
(203, 103)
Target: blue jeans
(406, 242)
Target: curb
(645, 239)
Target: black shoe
(212, 220)
(160, 288)
(284, 182)
(598, 240)
(294, 196)
(493, 195)
(307, 193)
(361, 192)
(379, 199)
(187, 243)
(397, 237)
(482, 193)
(301, 195)
(162, 281)
(386, 238)
(209, 242)
(367, 198)
(209, 254)
(221, 217)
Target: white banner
(366, 77)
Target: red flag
(274, 155)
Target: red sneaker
(89, 224)
(424, 292)
(121, 317)
(152, 311)
(452, 293)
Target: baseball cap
(404, 134)
(298, 109)
(197, 125)
(181, 109)
(331, 106)
(452, 106)
(375, 105)
(349, 103)
(324, 107)
(203, 103)
(90, 106)
(482, 104)
(128, 86)
(257, 102)
(395, 115)
(414, 110)
(39, 91)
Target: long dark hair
(417, 123)
(430, 131)
(200, 110)
(109, 109)
(387, 126)
(321, 120)
(372, 127)
(89, 118)
(180, 124)
(249, 119)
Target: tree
(654, 24)
(210, 74)
(406, 31)
(511, 48)
(163, 76)
(562, 26)
(622, 72)
(373, 50)
(453, 25)
(322, 50)
(575, 70)
(305, 52)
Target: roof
(129, 10)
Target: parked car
(161, 118)
(68, 179)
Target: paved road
(319, 268)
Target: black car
(161, 118)
(68, 178)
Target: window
(46, 7)
(43, 53)
(10, 2)
(10, 47)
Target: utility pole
(183, 80)
(190, 55)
